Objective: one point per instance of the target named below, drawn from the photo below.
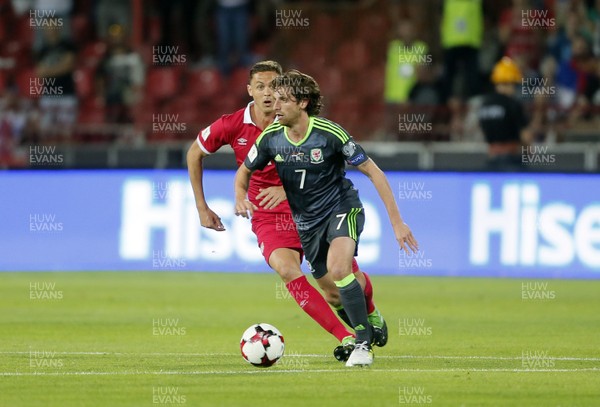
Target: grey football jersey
(312, 170)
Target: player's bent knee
(288, 273)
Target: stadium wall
(467, 224)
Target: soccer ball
(262, 345)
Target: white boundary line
(465, 357)
(276, 371)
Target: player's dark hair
(265, 66)
(301, 86)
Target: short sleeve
(213, 137)
(354, 153)
(258, 156)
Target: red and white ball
(262, 345)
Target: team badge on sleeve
(349, 148)
(316, 156)
(205, 133)
(253, 153)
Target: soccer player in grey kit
(310, 153)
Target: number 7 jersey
(312, 170)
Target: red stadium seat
(372, 84)
(331, 83)
(3, 81)
(162, 83)
(84, 82)
(353, 56)
(238, 81)
(204, 84)
(92, 112)
(92, 53)
(80, 28)
(17, 55)
(25, 86)
(366, 31)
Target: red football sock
(313, 303)
(368, 288)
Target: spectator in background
(404, 57)
(405, 53)
(560, 46)
(522, 36)
(17, 127)
(233, 32)
(120, 77)
(577, 79)
(112, 12)
(461, 37)
(54, 70)
(502, 119)
(45, 10)
(192, 19)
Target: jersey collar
(248, 116)
(308, 130)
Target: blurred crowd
(389, 69)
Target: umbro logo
(242, 141)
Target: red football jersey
(239, 131)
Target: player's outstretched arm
(208, 218)
(243, 207)
(403, 233)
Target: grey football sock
(353, 300)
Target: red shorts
(276, 231)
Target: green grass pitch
(168, 338)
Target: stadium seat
(17, 54)
(91, 112)
(203, 84)
(92, 53)
(353, 56)
(80, 29)
(373, 87)
(84, 82)
(3, 81)
(24, 32)
(238, 81)
(162, 83)
(366, 32)
(330, 81)
(23, 81)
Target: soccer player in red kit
(273, 223)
